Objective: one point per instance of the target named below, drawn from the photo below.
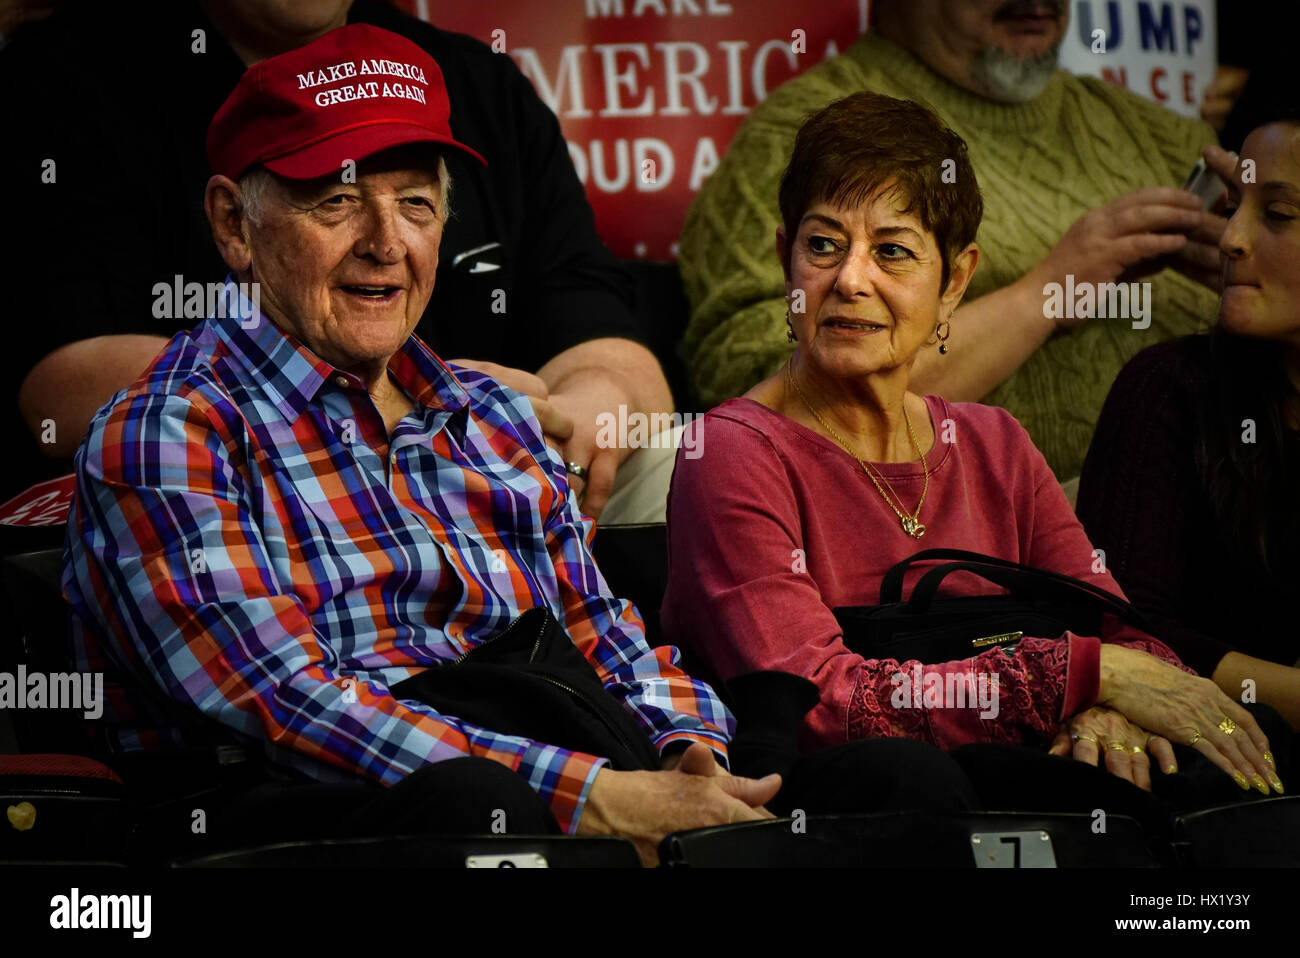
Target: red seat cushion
(64, 766)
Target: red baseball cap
(347, 95)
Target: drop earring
(943, 329)
(790, 337)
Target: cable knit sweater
(774, 525)
(1040, 166)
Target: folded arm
(72, 382)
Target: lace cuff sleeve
(1012, 698)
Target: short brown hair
(847, 151)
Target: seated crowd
(297, 528)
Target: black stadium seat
(60, 805)
(1259, 834)
(426, 851)
(62, 808)
(914, 840)
(634, 561)
(35, 636)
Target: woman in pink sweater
(806, 490)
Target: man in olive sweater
(1080, 187)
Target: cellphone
(1206, 184)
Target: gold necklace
(911, 523)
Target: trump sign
(650, 92)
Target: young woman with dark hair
(1191, 484)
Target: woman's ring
(1117, 746)
(1083, 738)
(577, 470)
(1227, 726)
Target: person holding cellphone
(1189, 486)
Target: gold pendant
(912, 527)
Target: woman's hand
(1187, 710)
(1101, 730)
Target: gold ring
(1117, 746)
(1136, 749)
(1227, 726)
(1084, 738)
(1196, 737)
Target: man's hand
(1126, 235)
(643, 807)
(1200, 259)
(568, 420)
(701, 762)
(583, 398)
(556, 426)
(596, 378)
(574, 389)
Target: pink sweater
(767, 499)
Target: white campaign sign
(1163, 51)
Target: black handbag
(530, 680)
(931, 629)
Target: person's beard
(1008, 78)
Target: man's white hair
(259, 181)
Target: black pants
(460, 796)
(901, 775)
(873, 775)
(464, 796)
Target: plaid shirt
(247, 537)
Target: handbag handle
(891, 587)
(1013, 576)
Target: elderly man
(299, 506)
(546, 308)
(1079, 181)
